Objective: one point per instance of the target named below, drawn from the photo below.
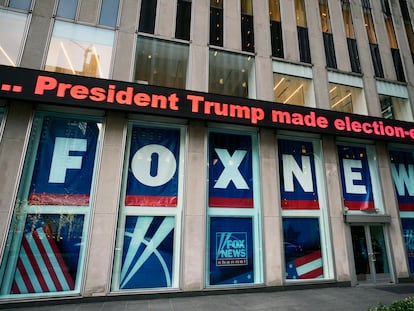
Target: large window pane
(231, 74)
(47, 238)
(183, 20)
(109, 13)
(161, 63)
(67, 8)
(12, 28)
(20, 4)
(147, 16)
(408, 234)
(148, 240)
(80, 50)
(293, 90)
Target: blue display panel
(46, 241)
(408, 233)
(230, 171)
(302, 247)
(297, 172)
(231, 251)
(153, 167)
(356, 178)
(147, 254)
(402, 168)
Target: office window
(247, 25)
(303, 207)
(233, 212)
(216, 22)
(231, 74)
(67, 8)
(292, 90)
(183, 20)
(327, 34)
(20, 4)
(276, 28)
(109, 13)
(149, 229)
(394, 101)
(350, 37)
(12, 30)
(46, 244)
(302, 28)
(408, 26)
(162, 63)
(80, 50)
(147, 16)
(347, 98)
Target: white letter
(304, 175)
(62, 161)
(404, 178)
(231, 172)
(350, 176)
(142, 162)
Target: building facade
(158, 146)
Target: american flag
(40, 266)
(305, 267)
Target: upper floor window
(408, 26)
(247, 25)
(67, 9)
(303, 36)
(80, 50)
(147, 16)
(183, 20)
(394, 101)
(350, 36)
(327, 34)
(231, 74)
(160, 62)
(12, 30)
(276, 28)
(216, 22)
(20, 4)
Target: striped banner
(40, 266)
(306, 267)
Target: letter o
(141, 165)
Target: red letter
(142, 99)
(322, 122)
(257, 115)
(98, 94)
(195, 102)
(44, 83)
(173, 100)
(339, 124)
(79, 92)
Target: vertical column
(38, 33)
(165, 21)
(335, 206)
(194, 241)
(391, 208)
(272, 222)
(89, 11)
(232, 24)
(105, 210)
(263, 60)
(289, 28)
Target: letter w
(231, 169)
(403, 178)
(304, 175)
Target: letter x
(231, 169)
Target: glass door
(370, 254)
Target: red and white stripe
(40, 266)
(309, 266)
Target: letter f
(62, 161)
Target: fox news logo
(231, 248)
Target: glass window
(147, 16)
(408, 235)
(247, 25)
(67, 8)
(20, 4)
(327, 34)
(324, 14)
(216, 22)
(402, 169)
(148, 240)
(46, 243)
(162, 63)
(395, 108)
(276, 28)
(231, 74)
(359, 176)
(407, 25)
(12, 30)
(300, 11)
(346, 98)
(80, 50)
(303, 36)
(350, 37)
(183, 20)
(109, 13)
(303, 204)
(293, 90)
(233, 222)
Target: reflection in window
(345, 98)
(350, 37)
(276, 28)
(292, 90)
(109, 13)
(45, 245)
(395, 108)
(247, 26)
(147, 16)
(216, 22)
(12, 28)
(231, 74)
(80, 50)
(161, 63)
(183, 20)
(20, 4)
(302, 27)
(67, 8)
(302, 247)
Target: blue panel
(408, 233)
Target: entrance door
(370, 254)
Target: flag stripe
(312, 274)
(308, 258)
(33, 261)
(230, 202)
(300, 204)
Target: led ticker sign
(71, 90)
